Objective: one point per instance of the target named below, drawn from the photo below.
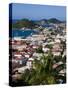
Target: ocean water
(23, 33)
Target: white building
(38, 37)
(29, 63)
(45, 49)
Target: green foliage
(24, 23)
(54, 20)
(49, 46)
(39, 50)
(43, 72)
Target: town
(51, 39)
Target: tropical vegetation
(43, 72)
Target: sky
(38, 12)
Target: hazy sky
(37, 12)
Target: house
(56, 53)
(45, 49)
(38, 37)
(56, 50)
(21, 47)
(17, 54)
(29, 63)
(21, 69)
(57, 40)
(27, 55)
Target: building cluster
(26, 50)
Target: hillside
(31, 24)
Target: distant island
(26, 23)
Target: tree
(39, 50)
(43, 72)
(24, 23)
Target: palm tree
(43, 69)
(43, 72)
